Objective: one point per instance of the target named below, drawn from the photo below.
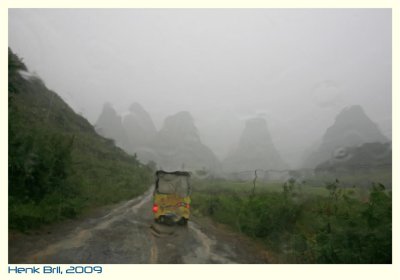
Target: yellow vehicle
(172, 197)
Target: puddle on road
(161, 231)
(204, 252)
(80, 237)
(142, 240)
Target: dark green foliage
(14, 65)
(38, 164)
(58, 165)
(308, 228)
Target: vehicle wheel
(182, 222)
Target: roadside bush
(337, 228)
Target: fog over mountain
(294, 68)
(139, 126)
(364, 158)
(141, 133)
(256, 150)
(176, 145)
(109, 125)
(351, 128)
(179, 146)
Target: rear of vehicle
(172, 197)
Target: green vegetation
(58, 165)
(300, 225)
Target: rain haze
(199, 136)
(296, 68)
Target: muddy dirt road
(128, 234)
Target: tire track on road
(80, 236)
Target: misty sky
(297, 68)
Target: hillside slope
(58, 165)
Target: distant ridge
(179, 146)
(351, 128)
(255, 150)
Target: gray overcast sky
(296, 67)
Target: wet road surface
(127, 234)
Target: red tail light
(155, 208)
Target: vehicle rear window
(172, 183)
